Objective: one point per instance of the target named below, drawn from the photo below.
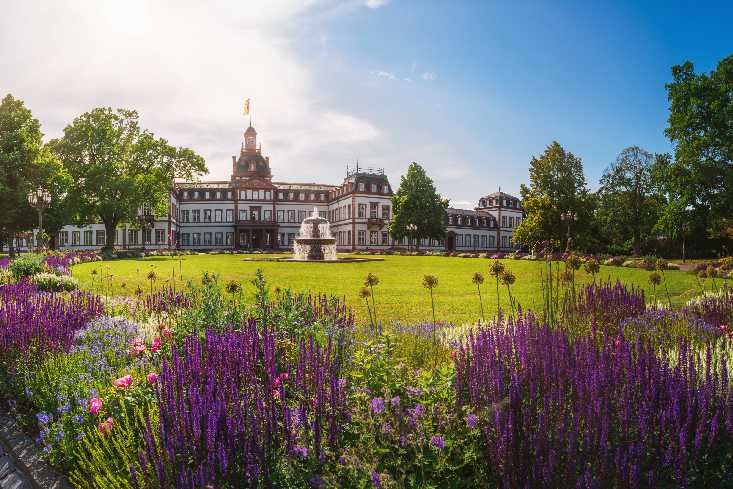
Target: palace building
(250, 211)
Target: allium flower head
(655, 278)
(430, 281)
(478, 278)
(496, 268)
(371, 280)
(364, 293)
(508, 278)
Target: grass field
(399, 296)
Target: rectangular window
(361, 186)
(291, 216)
(475, 241)
(131, 237)
(242, 214)
(373, 209)
(483, 241)
(230, 239)
(197, 239)
(503, 221)
(75, 238)
(207, 239)
(229, 195)
(241, 195)
(207, 215)
(230, 215)
(361, 236)
(100, 238)
(291, 237)
(196, 215)
(291, 195)
(348, 237)
(218, 213)
(385, 238)
(185, 216)
(160, 236)
(386, 189)
(362, 210)
(349, 212)
(282, 239)
(373, 187)
(301, 216)
(280, 216)
(268, 195)
(281, 196)
(322, 214)
(147, 235)
(505, 241)
(385, 212)
(255, 195)
(186, 239)
(267, 215)
(87, 238)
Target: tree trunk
(11, 246)
(110, 231)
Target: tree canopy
(117, 167)
(701, 127)
(417, 203)
(628, 201)
(557, 188)
(26, 164)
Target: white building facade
(252, 212)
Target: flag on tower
(246, 107)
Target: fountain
(315, 242)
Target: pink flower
(123, 382)
(156, 345)
(106, 426)
(152, 377)
(617, 343)
(723, 327)
(167, 332)
(95, 405)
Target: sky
(470, 90)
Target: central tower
(250, 164)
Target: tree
(628, 204)
(418, 209)
(557, 202)
(26, 164)
(117, 168)
(701, 127)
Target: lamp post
(411, 230)
(146, 220)
(39, 199)
(569, 217)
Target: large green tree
(26, 164)
(557, 202)
(418, 209)
(117, 168)
(701, 128)
(628, 202)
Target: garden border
(21, 465)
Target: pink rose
(123, 382)
(152, 378)
(167, 332)
(95, 405)
(155, 346)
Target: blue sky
(472, 90)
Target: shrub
(26, 266)
(50, 282)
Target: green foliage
(27, 266)
(557, 187)
(25, 165)
(104, 460)
(701, 128)
(417, 203)
(50, 282)
(117, 167)
(628, 204)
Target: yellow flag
(246, 107)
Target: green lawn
(399, 295)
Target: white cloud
(385, 74)
(186, 66)
(376, 3)
(429, 76)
